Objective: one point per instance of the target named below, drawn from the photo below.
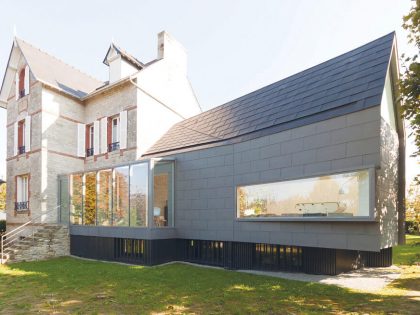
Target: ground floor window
(162, 194)
(138, 194)
(22, 193)
(343, 195)
(104, 197)
(76, 198)
(121, 193)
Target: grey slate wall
(387, 188)
(206, 181)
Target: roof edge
(296, 123)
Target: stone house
(305, 174)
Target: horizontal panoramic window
(343, 195)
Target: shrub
(411, 227)
(2, 226)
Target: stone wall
(48, 242)
(29, 162)
(107, 104)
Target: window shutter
(123, 130)
(17, 86)
(15, 138)
(96, 137)
(26, 80)
(19, 189)
(81, 140)
(27, 133)
(104, 135)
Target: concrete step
(48, 241)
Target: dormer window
(22, 82)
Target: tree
(410, 79)
(413, 207)
(2, 197)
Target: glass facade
(104, 203)
(76, 198)
(89, 201)
(121, 186)
(335, 196)
(120, 196)
(138, 194)
(163, 194)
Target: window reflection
(89, 213)
(138, 194)
(162, 194)
(76, 198)
(120, 193)
(341, 195)
(104, 197)
(119, 196)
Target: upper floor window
(22, 82)
(106, 134)
(114, 134)
(22, 193)
(90, 140)
(21, 137)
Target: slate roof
(125, 55)
(57, 73)
(350, 82)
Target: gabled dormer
(121, 64)
(17, 76)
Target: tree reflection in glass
(104, 197)
(89, 213)
(339, 195)
(120, 196)
(76, 198)
(138, 194)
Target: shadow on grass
(76, 286)
(407, 284)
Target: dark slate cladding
(229, 255)
(350, 82)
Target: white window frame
(23, 133)
(91, 137)
(115, 130)
(22, 186)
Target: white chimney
(172, 51)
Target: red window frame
(22, 82)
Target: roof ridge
(290, 76)
(58, 59)
(125, 52)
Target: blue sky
(234, 47)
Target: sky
(234, 47)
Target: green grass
(68, 285)
(408, 254)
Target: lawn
(407, 254)
(69, 285)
